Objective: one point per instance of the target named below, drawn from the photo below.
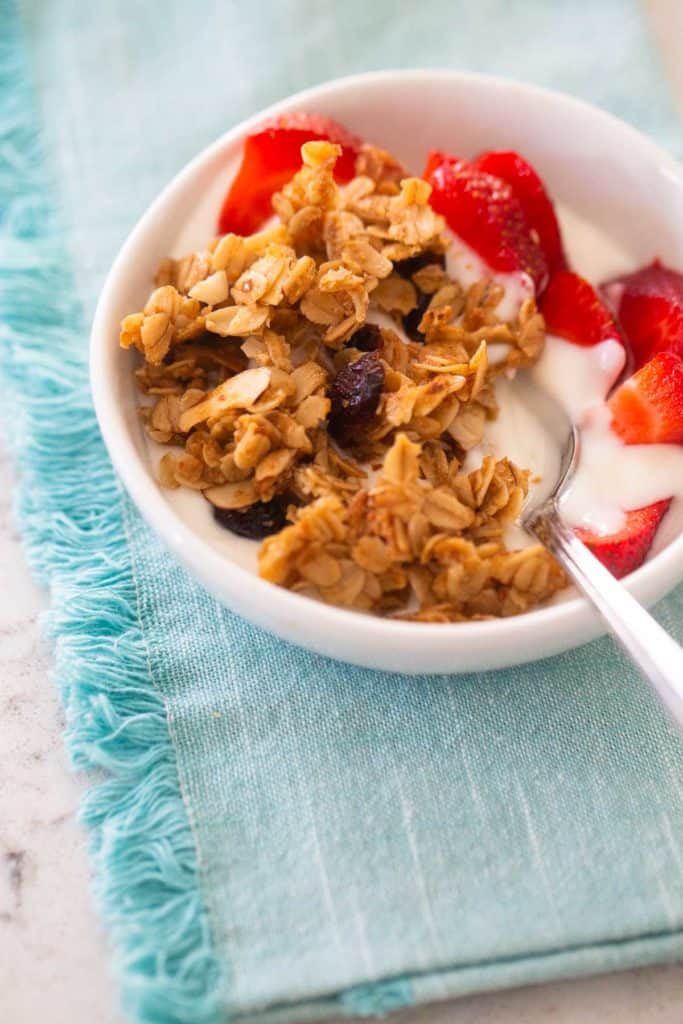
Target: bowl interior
(595, 166)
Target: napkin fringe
(70, 513)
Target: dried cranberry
(410, 266)
(367, 338)
(255, 521)
(412, 319)
(354, 396)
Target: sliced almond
(312, 411)
(274, 464)
(236, 321)
(211, 290)
(307, 378)
(230, 255)
(156, 334)
(235, 495)
(255, 348)
(238, 392)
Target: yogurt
(611, 478)
(467, 267)
(578, 378)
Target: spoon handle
(656, 654)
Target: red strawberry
(649, 304)
(648, 407)
(624, 551)
(435, 157)
(271, 156)
(536, 203)
(487, 215)
(573, 310)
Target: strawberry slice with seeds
(648, 407)
(624, 551)
(486, 214)
(649, 305)
(536, 203)
(272, 155)
(573, 310)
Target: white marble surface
(53, 960)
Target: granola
(322, 381)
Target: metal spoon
(653, 651)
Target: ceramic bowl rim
(564, 618)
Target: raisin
(354, 397)
(256, 521)
(367, 338)
(412, 319)
(410, 266)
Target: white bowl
(594, 164)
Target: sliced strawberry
(271, 156)
(649, 304)
(624, 551)
(648, 407)
(573, 310)
(435, 157)
(532, 194)
(486, 214)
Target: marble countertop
(53, 957)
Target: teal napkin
(283, 837)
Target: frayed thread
(70, 513)
(377, 999)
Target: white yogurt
(578, 378)
(516, 433)
(467, 267)
(612, 478)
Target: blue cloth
(285, 837)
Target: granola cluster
(275, 374)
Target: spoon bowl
(656, 654)
(561, 432)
